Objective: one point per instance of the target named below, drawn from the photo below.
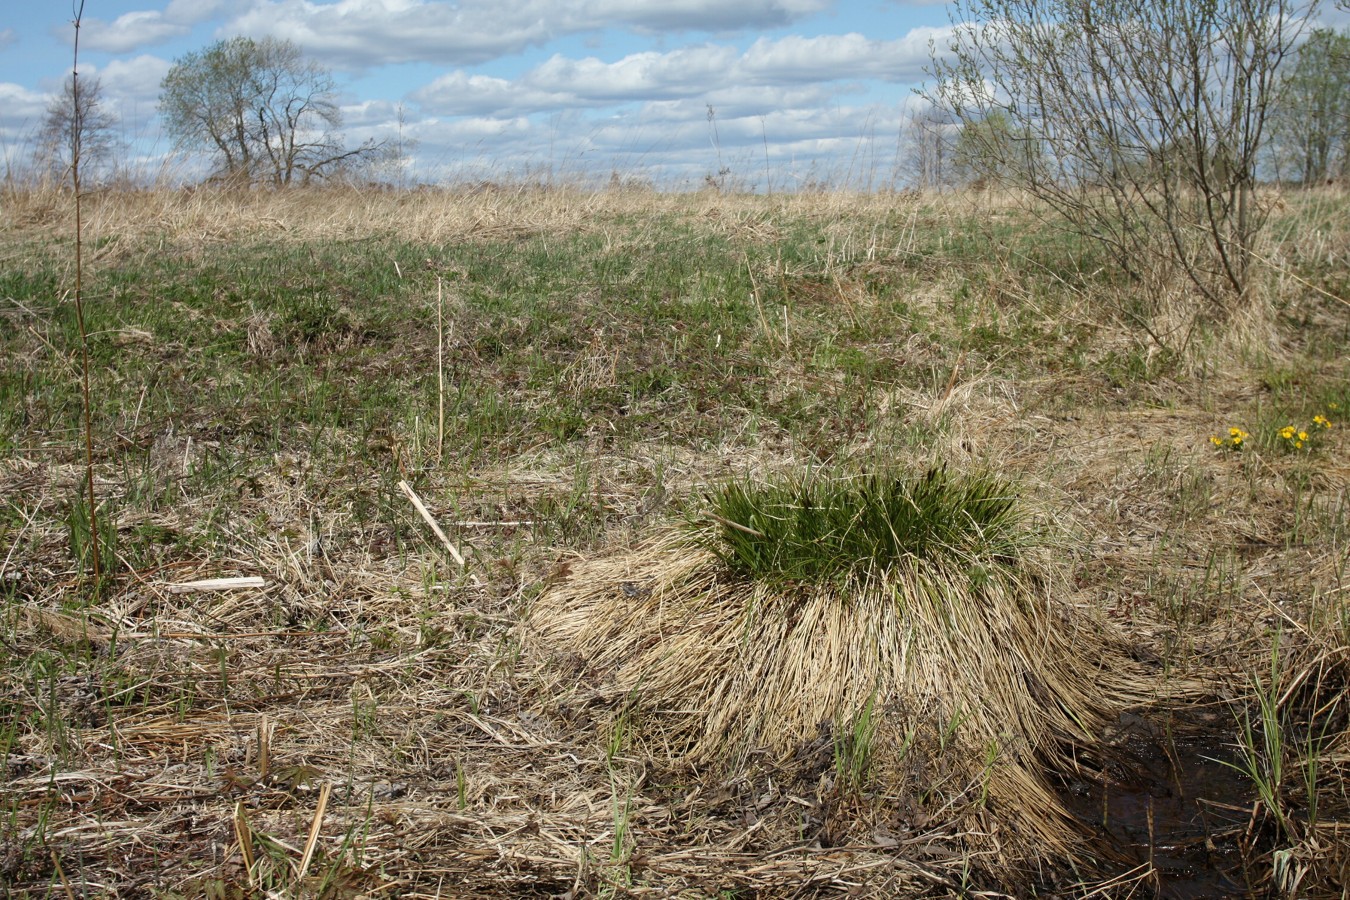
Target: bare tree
(261, 109)
(77, 126)
(1311, 123)
(1138, 121)
(928, 141)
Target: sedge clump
(851, 531)
(869, 612)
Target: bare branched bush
(1138, 122)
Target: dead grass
(150, 737)
(986, 683)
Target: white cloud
(363, 33)
(461, 94)
(646, 114)
(136, 79)
(706, 72)
(828, 57)
(679, 73)
(18, 100)
(148, 27)
(130, 31)
(697, 15)
(194, 12)
(21, 113)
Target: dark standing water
(1171, 801)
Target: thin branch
(76, 128)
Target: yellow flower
(1235, 432)
(1216, 440)
(1298, 445)
(1302, 436)
(1322, 420)
(1287, 432)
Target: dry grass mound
(915, 621)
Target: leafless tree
(77, 126)
(929, 139)
(261, 109)
(1311, 123)
(1139, 122)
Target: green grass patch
(823, 529)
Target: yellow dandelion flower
(1298, 445)
(1322, 420)
(1287, 432)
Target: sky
(775, 94)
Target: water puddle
(1171, 801)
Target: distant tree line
(1050, 95)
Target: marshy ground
(563, 378)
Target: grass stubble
(601, 702)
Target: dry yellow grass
(135, 722)
(993, 681)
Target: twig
(76, 127)
(503, 523)
(264, 748)
(426, 516)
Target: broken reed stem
(426, 516)
(244, 835)
(314, 828)
(736, 525)
(243, 583)
(951, 384)
(76, 127)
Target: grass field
(565, 380)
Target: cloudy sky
(780, 92)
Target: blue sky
(799, 89)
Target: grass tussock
(921, 603)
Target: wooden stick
(426, 516)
